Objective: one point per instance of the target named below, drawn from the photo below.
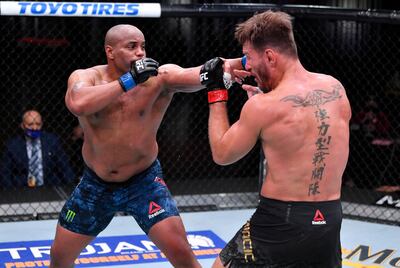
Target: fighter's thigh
(154, 205)
(67, 246)
(170, 237)
(88, 211)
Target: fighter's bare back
(313, 118)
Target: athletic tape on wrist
(127, 82)
(244, 60)
(217, 96)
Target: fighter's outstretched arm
(178, 79)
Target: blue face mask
(34, 134)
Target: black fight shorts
(288, 235)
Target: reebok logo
(318, 218)
(155, 210)
(70, 216)
(159, 180)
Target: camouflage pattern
(94, 202)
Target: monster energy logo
(70, 215)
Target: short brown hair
(273, 29)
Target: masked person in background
(35, 158)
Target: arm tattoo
(317, 98)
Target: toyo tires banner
(80, 9)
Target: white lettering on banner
(91, 250)
(149, 245)
(88, 250)
(13, 252)
(38, 252)
(388, 199)
(104, 248)
(127, 246)
(80, 9)
(365, 253)
(197, 241)
(122, 247)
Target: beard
(262, 77)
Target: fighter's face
(129, 49)
(256, 64)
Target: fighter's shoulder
(261, 102)
(88, 73)
(329, 81)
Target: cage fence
(362, 51)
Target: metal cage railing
(359, 47)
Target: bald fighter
(303, 126)
(120, 106)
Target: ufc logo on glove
(203, 76)
(139, 65)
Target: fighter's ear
(270, 56)
(109, 51)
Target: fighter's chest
(131, 105)
(136, 104)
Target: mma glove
(140, 71)
(216, 81)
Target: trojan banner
(105, 251)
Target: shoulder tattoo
(316, 97)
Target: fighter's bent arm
(229, 144)
(84, 98)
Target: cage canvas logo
(104, 251)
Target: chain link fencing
(39, 53)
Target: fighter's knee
(59, 260)
(54, 263)
(183, 257)
(218, 263)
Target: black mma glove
(140, 71)
(212, 76)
